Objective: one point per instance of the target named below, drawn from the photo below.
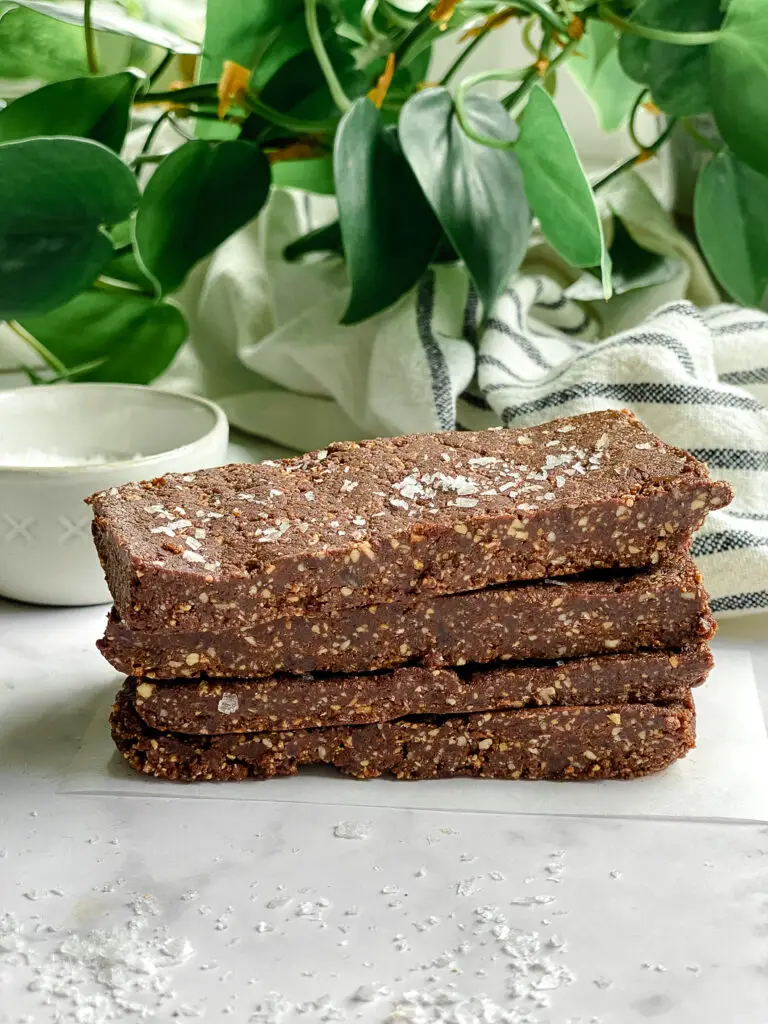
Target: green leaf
(131, 337)
(556, 185)
(739, 68)
(96, 107)
(325, 239)
(388, 228)
(32, 46)
(199, 195)
(57, 196)
(108, 17)
(310, 175)
(678, 76)
(476, 191)
(597, 69)
(299, 88)
(731, 216)
(239, 29)
(632, 267)
(287, 42)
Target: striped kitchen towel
(698, 379)
(271, 350)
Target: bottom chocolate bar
(601, 742)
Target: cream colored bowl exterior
(46, 551)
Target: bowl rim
(220, 422)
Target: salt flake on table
(351, 830)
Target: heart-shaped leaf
(32, 46)
(475, 190)
(598, 71)
(108, 17)
(199, 195)
(96, 107)
(556, 185)
(132, 338)
(739, 68)
(388, 228)
(678, 76)
(731, 215)
(57, 196)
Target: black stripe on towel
(758, 516)
(660, 340)
(438, 371)
(741, 327)
(726, 540)
(640, 393)
(732, 458)
(471, 308)
(758, 375)
(494, 324)
(740, 602)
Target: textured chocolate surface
(608, 741)
(370, 522)
(623, 611)
(290, 702)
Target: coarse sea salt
(102, 975)
(351, 830)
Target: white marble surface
(690, 897)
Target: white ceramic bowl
(60, 443)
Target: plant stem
(169, 55)
(340, 98)
(697, 137)
(465, 53)
(149, 158)
(200, 93)
(640, 157)
(414, 35)
(633, 114)
(397, 18)
(37, 346)
(461, 113)
(545, 13)
(367, 24)
(91, 50)
(659, 35)
(151, 137)
(532, 76)
(292, 124)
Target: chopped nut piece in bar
(290, 702)
(364, 523)
(624, 611)
(603, 742)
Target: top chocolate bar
(364, 523)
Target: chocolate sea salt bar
(290, 702)
(362, 523)
(602, 742)
(625, 611)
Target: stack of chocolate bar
(508, 604)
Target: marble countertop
(271, 912)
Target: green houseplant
(335, 96)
